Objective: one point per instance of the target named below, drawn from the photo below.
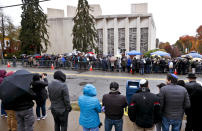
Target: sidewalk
(73, 123)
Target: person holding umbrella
(11, 120)
(15, 91)
(39, 87)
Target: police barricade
(131, 88)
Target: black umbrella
(15, 85)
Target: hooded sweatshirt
(89, 107)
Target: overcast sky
(173, 18)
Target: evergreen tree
(33, 28)
(84, 32)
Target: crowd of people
(124, 63)
(146, 110)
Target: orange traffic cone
(8, 65)
(52, 67)
(131, 70)
(175, 72)
(91, 68)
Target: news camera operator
(39, 87)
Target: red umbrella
(91, 53)
(38, 57)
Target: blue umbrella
(195, 55)
(161, 53)
(133, 52)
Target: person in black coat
(144, 109)
(194, 114)
(39, 87)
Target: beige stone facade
(135, 31)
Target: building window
(132, 38)
(110, 34)
(121, 38)
(100, 41)
(144, 40)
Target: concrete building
(135, 31)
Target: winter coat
(195, 112)
(123, 62)
(144, 108)
(90, 107)
(39, 87)
(190, 87)
(174, 100)
(21, 103)
(129, 61)
(114, 105)
(24, 102)
(59, 96)
(142, 64)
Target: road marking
(103, 76)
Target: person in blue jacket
(90, 108)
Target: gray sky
(173, 18)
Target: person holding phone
(39, 87)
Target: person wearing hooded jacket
(90, 108)
(2, 75)
(39, 87)
(60, 102)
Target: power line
(22, 4)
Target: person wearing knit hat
(113, 105)
(144, 109)
(114, 87)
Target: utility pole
(3, 36)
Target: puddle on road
(70, 78)
(84, 83)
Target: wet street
(101, 80)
